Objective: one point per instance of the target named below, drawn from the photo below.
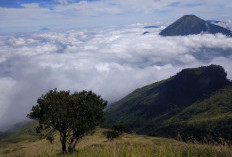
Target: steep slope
(153, 108)
(191, 24)
(207, 120)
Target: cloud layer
(111, 62)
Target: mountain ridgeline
(195, 104)
(191, 24)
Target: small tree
(119, 128)
(111, 134)
(72, 115)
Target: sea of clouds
(111, 62)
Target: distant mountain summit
(191, 24)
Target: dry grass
(128, 145)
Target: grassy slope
(25, 132)
(128, 145)
(207, 120)
(216, 107)
(151, 109)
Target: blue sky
(32, 15)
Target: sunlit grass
(127, 145)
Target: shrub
(120, 128)
(110, 135)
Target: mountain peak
(189, 16)
(191, 24)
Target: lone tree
(72, 115)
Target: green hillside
(216, 107)
(25, 132)
(195, 103)
(191, 24)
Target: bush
(120, 128)
(110, 135)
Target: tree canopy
(72, 115)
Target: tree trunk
(63, 142)
(72, 145)
(64, 150)
(75, 143)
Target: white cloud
(31, 5)
(6, 88)
(93, 8)
(71, 14)
(111, 62)
(63, 2)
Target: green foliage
(191, 24)
(195, 100)
(116, 132)
(120, 128)
(111, 134)
(72, 115)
